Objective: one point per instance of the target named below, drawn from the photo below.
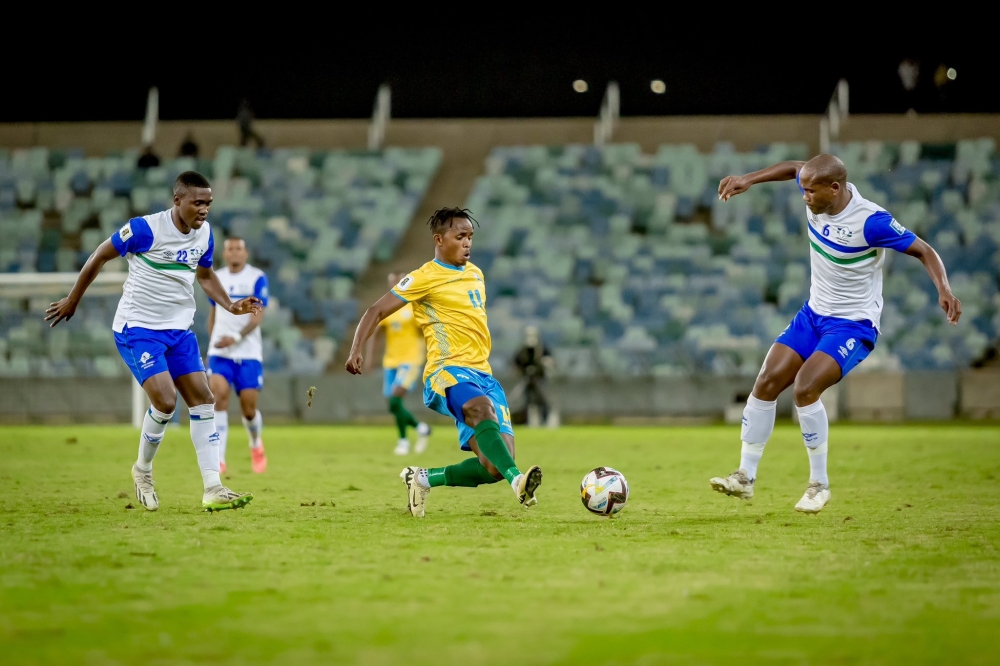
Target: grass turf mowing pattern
(326, 566)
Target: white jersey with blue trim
(847, 252)
(159, 291)
(250, 281)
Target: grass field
(327, 567)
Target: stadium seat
(313, 220)
(613, 227)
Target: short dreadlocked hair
(444, 217)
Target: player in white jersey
(166, 252)
(235, 351)
(838, 326)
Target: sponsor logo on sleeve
(897, 227)
(125, 232)
(405, 283)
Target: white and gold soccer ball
(604, 491)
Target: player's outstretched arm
(931, 260)
(66, 308)
(730, 186)
(383, 307)
(209, 281)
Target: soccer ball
(604, 491)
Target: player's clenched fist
(733, 185)
(354, 363)
(248, 305)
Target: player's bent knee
(767, 387)
(806, 393)
(163, 404)
(477, 411)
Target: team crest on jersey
(897, 227)
(843, 233)
(405, 283)
(125, 232)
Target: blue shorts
(403, 375)
(242, 373)
(451, 387)
(147, 352)
(847, 342)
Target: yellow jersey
(404, 343)
(449, 304)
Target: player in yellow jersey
(401, 365)
(448, 296)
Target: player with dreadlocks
(449, 302)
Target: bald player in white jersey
(235, 352)
(166, 253)
(838, 326)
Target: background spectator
(531, 361)
(244, 118)
(148, 158)
(188, 147)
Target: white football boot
(220, 498)
(526, 484)
(402, 447)
(416, 494)
(144, 491)
(816, 497)
(736, 484)
(423, 433)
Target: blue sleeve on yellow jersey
(207, 258)
(881, 230)
(260, 289)
(134, 237)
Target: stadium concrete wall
(468, 140)
(867, 397)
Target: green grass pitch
(326, 566)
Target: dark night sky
(522, 76)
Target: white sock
(206, 443)
(254, 427)
(758, 424)
(222, 427)
(422, 478)
(154, 424)
(815, 433)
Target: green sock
(495, 449)
(403, 416)
(467, 474)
